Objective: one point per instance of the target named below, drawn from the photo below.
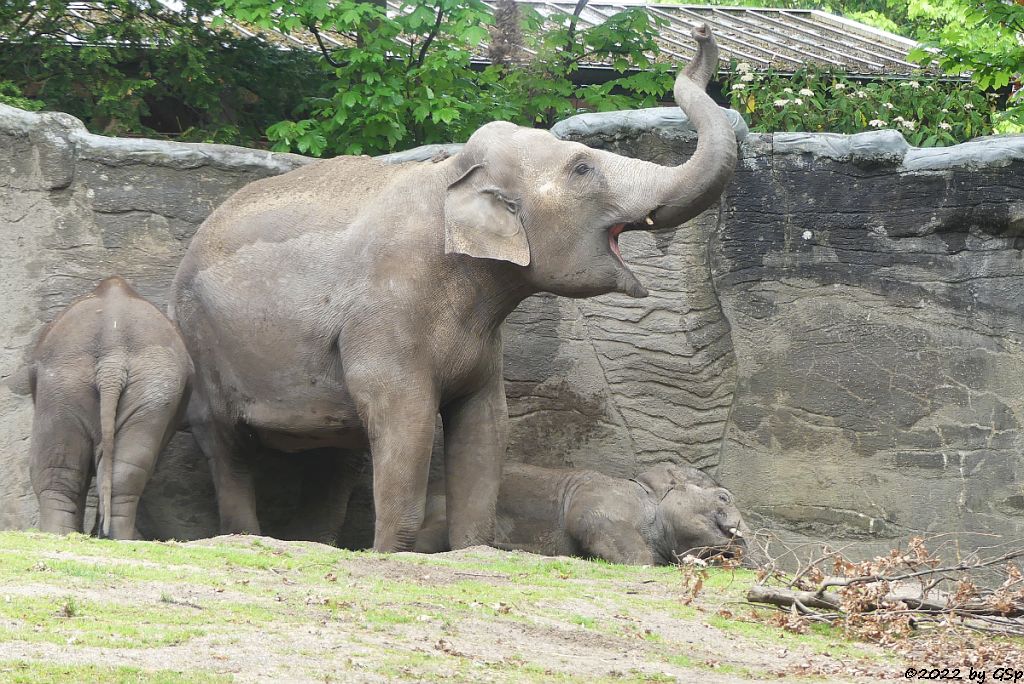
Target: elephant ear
(663, 477)
(482, 220)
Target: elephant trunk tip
(705, 62)
(695, 186)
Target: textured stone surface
(841, 343)
(875, 297)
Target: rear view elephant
(346, 303)
(661, 515)
(110, 379)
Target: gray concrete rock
(841, 340)
(874, 294)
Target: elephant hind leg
(136, 448)
(61, 468)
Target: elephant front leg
(401, 432)
(595, 534)
(475, 437)
(232, 476)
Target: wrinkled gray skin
(661, 515)
(110, 380)
(346, 303)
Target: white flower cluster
(839, 86)
(738, 86)
(806, 92)
(904, 123)
(861, 94)
(747, 77)
(877, 123)
(945, 126)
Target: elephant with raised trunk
(110, 379)
(663, 514)
(346, 303)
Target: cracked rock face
(842, 344)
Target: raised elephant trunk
(694, 186)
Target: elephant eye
(724, 498)
(582, 169)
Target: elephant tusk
(649, 220)
(735, 532)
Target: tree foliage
(979, 37)
(146, 67)
(415, 77)
(139, 67)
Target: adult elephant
(346, 303)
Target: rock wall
(840, 341)
(876, 298)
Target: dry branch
(892, 595)
(785, 598)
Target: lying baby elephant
(661, 515)
(110, 378)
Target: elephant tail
(110, 382)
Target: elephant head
(699, 517)
(555, 209)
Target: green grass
(582, 620)
(393, 614)
(820, 639)
(33, 672)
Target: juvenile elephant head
(699, 516)
(556, 208)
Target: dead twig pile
(905, 592)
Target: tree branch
(430, 36)
(323, 48)
(849, 581)
(803, 600)
(570, 40)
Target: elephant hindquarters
(149, 410)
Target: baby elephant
(110, 378)
(661, 515)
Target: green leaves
(927, 112)
(409, 80)
(141, 67)
(10, 94)
(976, 37)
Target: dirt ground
(257, 609)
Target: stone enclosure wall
(841, 342)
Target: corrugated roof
(782, 39)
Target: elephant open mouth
(627, 282)
(613, 239)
